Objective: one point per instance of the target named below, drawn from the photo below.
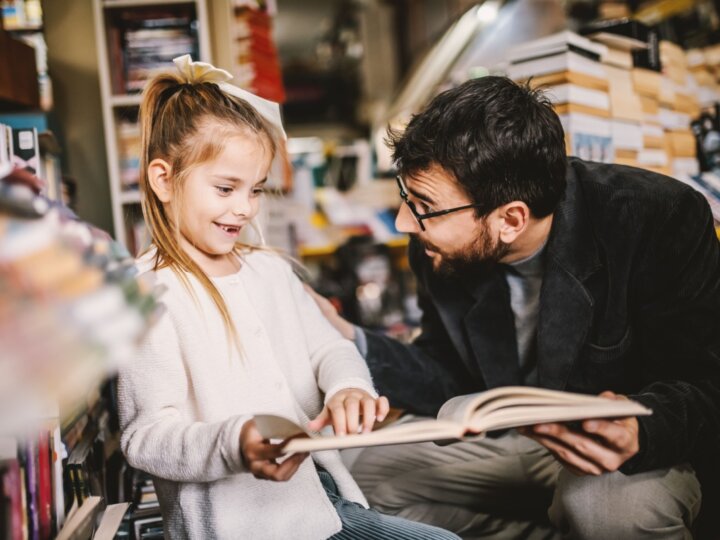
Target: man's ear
(515, 218)
(160, 178)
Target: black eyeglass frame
(421, 217)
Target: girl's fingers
(271, 470)
(320, 421)
(289, 467)
(383, 408)
(339, 422)
(352, 414)
(368, 412)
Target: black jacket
(630, 302)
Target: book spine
(57, 479)
(13, 492)
(32, 490)
(44, 487)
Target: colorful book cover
(44, 487)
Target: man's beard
(481, 252)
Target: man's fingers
(567, 456)
(620, 434)
(585, 446)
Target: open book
(462, 417)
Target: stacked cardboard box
(653, 155)
(567, 67)
(625, 108)
(634, 86)
(614, 103)
(702, 64)
(678, 107)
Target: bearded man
(535, 269)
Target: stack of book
(678, 107)
(143, 44)
(633, 65)
(567, 67)
(256, 65)
(31, 475)
(128, 136)
(73, 309)
(699, 62)
(622, 38)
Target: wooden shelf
(140, 3)
(131, 197)
(119, 107)
(126, 100)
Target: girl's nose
(241, 206)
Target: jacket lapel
(490, 327)
(453, 303)
(566, 306)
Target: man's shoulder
(618, 195)
(603, 181)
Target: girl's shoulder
(146, 261)
(265, 262)
(145, 264)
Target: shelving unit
(114, 21)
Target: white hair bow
(197, 72)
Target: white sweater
(186, 396)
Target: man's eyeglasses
(421, 217)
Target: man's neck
(530, 241)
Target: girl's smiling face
(219, 198)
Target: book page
(523, 414)
(276, 427)
(461, 408)
(421, 431)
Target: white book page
(425, 430)
(522, 415)
(462, 408)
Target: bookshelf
(130, 34)
(73, 311)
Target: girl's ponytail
(172, 112)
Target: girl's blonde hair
(178, 123)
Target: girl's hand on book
(259, 456)
(344, 409)
(600, 446)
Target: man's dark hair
(502, 141)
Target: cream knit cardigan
(186, 395)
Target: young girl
(240, 336)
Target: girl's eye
(224, 190)
(258, 191)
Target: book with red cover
(44, 487)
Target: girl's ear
(160, 178)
